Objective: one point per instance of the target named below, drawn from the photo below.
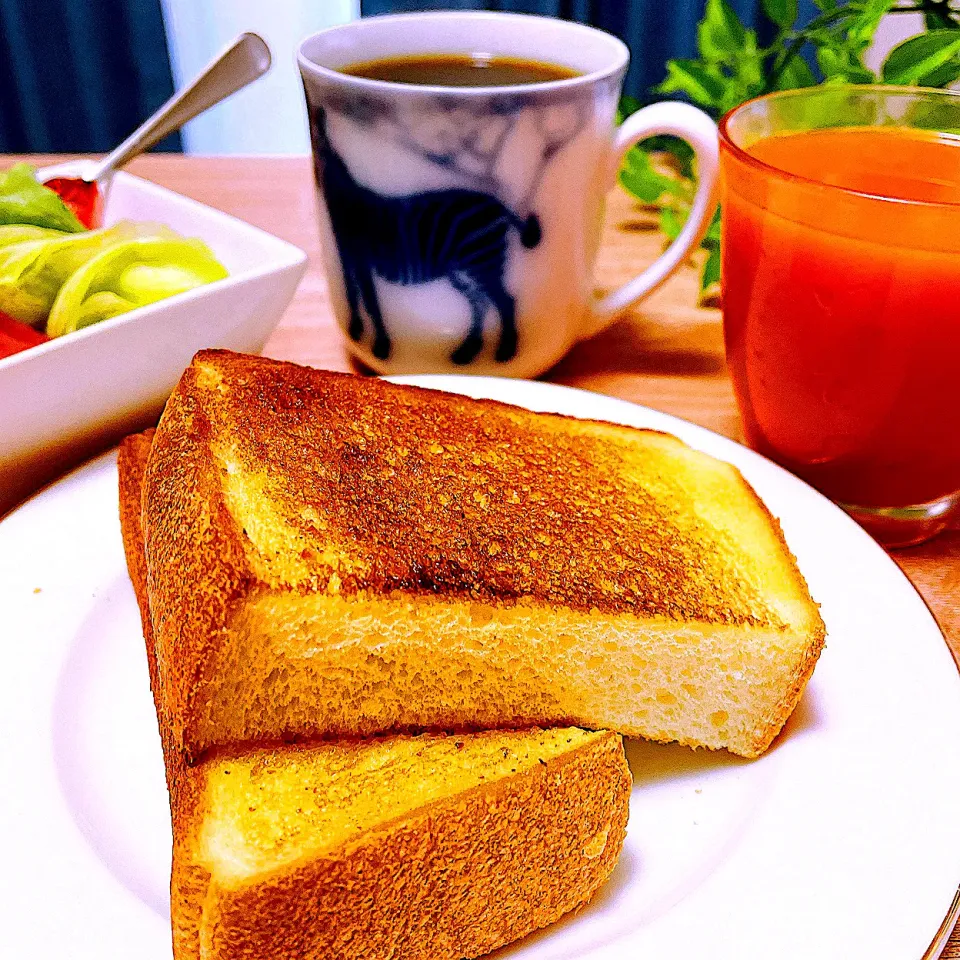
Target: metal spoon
(246, 59)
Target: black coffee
(459, 70)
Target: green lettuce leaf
(33, 271)
(15, 233)
(24, 200)
(131, 274)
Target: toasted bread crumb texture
(271, 808)
(456, 874)
(195, 559)
(131, 466)
(534, 822)
(320, 665)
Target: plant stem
(926, 6)
(944, 15)
(803, 37)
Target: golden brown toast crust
(459, 878)
(267, 476)
(131, 466)
(420, 491)
(195, 541)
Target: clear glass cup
(841, 295)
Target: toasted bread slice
(131, 466)
(428, 847)
(330, 555)
(414, 848)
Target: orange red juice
(842, 308)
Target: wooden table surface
(667, 354)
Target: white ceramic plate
(843, 841)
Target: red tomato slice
(16, 336)
(81, 197)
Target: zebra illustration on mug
(456, 234)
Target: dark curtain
(77, 76)
(655, 30)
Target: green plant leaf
(711, 269)
(782, 12)
(829, 62)
(939, 20)
(840, 64)
(912, 61)
(861, 29)
(748, 71)
(671, 222)
(795, 74)
(695, 80)
(639, 177)
(679, 150)
(626, 106)
(720, 34)
(732, 67)
(712, 237)
(851, 74)
(948, 74)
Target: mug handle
(694, 126)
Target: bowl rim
(288, 255)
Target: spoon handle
(247, 58)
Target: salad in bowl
(105, 300)
(62, 270)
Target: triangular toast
(436, 847)
(332, 555)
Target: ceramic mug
(460, 225)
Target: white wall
(894, 28)
(268, 117)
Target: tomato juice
(841, 299)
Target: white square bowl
(77, 394)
